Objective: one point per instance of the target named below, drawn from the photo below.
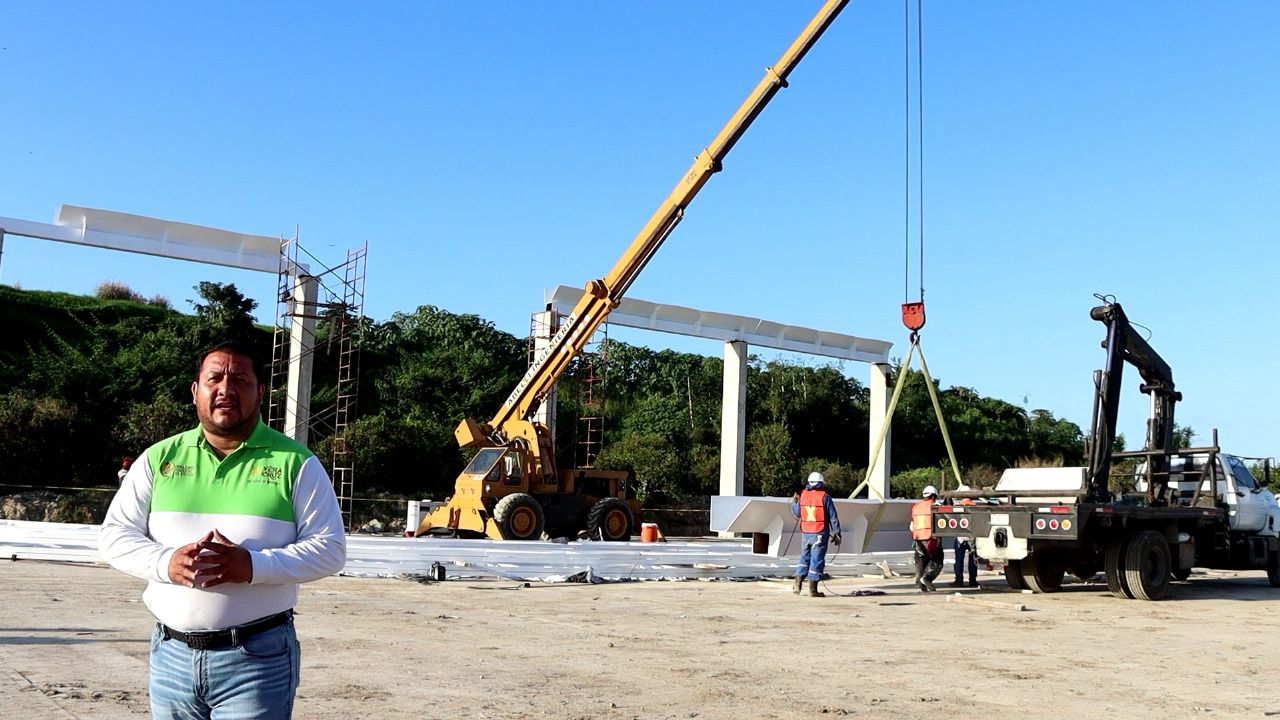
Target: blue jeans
(254, 681)
(963, 548)
(813, 558)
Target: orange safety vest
(922, 520)
(813, 515)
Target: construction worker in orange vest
(818, 525)
(928, 549)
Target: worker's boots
(813, 589)
(799, 584)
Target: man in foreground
(223, 522)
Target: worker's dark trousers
(926, 567)
(963, 549)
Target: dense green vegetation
(86, 380)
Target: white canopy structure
(679, 320)
(737, 332)
(114, 230)
(151, 236)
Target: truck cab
(1251, 508)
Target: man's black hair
(231, 346)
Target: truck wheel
(1043, 573)
(1146, 565)
(1180, 574)
(609, 519)
(1113, 565)
(519, 517)
(1273, 569)
(1013, 575)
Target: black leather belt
(231, 637)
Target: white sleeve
(125, 541)
(321, 546)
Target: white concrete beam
(545, 324)
(878, 470)
(731, 328)
(733, 420)
(302, 339)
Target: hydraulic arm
(1124, 344)
(512, 421)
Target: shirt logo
(266, 474)
(172, 470)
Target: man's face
(227, 395)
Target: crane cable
(913, 316)
(906, 130)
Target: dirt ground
(73, 644)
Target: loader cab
(498, 466)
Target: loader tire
(519, 517)
(1113, 565)
(610, 520)
(1013, 575)
(1273, 569)
(1043, 572)
(1146, 565)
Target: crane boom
(601, 296)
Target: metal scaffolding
(592, 385)
(586, 381)
(330, 303)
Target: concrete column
(545, 324)
(878, 467)
(733, 420)
(302, 338)
(1, 243)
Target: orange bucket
(648, 532)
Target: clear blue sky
(487, 152)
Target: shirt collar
(257, 438)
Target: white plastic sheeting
(380, 556)
(888, 522)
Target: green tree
(225, 312)
(659, 467)
(146, 423)
(770, 464)
(45, 441)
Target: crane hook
(913, 317)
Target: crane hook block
(913, 315)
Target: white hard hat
(816, 478)
(929, 490)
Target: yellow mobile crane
(511, 489)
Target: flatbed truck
(1181, 508)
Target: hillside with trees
(87, 380)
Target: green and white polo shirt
(270, 495)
